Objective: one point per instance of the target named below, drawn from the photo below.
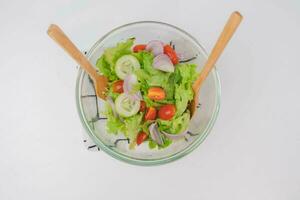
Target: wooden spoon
(229, 29)
(100, 82)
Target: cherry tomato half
(150, 114)
(139, 47)
(141, 137)
(156, 93)
(166, 112)
(142, 106)
(169, 51)
(118, 86)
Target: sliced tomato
(166, 112)
(139, 47)
(150, 114)
(156, 93)
(169, 51)
(141, 137)
(142, 106)
(118, 86)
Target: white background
(251, 153)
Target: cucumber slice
(126, 65)
(125, 106)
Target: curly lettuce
(176, 125)
(177, 86)
(106, 63)
(113, 124)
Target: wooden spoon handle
(60, 37)
(229, 29)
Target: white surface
(251, 153)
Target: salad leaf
(176, 125)
(111, 93)
(166, 143)
(112, 54)
(177, 86)
(106, 63)
(185, 75)
(113, 124)
(106, 69)
(132, 126)
(150, 77)
(152, 144)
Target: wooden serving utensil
(100, 82)
(229, 29)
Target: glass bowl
(90, 108)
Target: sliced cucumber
(126, 65)
(125, 106)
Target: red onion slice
(155, 134)
(175, 136)
(156, 47)
(163, 63)
(184, 50)
(137, 96)
(113, 107)
(129, 81)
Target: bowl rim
(123, 157)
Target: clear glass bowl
(90, 107)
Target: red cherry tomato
(150, 114)
(142, 106)
(169, 51)
(139, 47)
(156, 93)
(141, 137)
(166, 112)
(118, 86)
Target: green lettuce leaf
(112, 54)
(113, 124)
(152, 144)
(176, 125)
(150, 77)
(111, 93)
(185, 75)
(106, 63)
(166, 142)
(132, 126)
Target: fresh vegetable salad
(149, 92)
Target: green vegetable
(149, 77)
(111, 93)
(132, 126)
(125, 65)
(177, 85)
(106, 69)
(185, 75)
(112, 54)
(176, 125)
(165, 144)
(116, 63)
(113, 124)
(106, 63)
(152, 144)
(125, 106)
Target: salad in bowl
(144, 90)
(148, 94)
(144, 118)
